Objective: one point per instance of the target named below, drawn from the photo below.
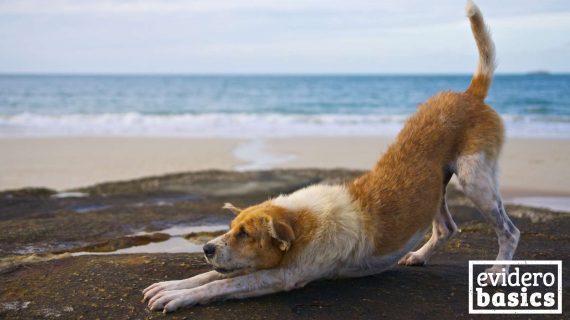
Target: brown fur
(403, 192)
(268, 227)
(479, 86)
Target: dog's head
(258, 238)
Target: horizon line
(277, 74)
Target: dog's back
(447, 126)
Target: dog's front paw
(412, 259)
(169, 301)
(158, 287)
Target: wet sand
(528, 167)
(64, 163)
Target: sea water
(261, 106)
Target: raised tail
(483, 75)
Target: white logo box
(558, 263)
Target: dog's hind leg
(443, 228)
(478, 177)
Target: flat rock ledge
(41, 279)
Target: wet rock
(44, 223)
(27, 193)
(41, 279)
(223, 183)
(11, 263)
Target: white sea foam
(242, 125)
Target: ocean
(261, 106)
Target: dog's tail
(484, 73)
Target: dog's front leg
(189, 283)
(254, 284)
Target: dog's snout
(209, 250)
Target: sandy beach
(529, 167)
(64, 163)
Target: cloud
(274, 36)
(198, 6)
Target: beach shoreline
(529, 167)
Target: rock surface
(39, 278)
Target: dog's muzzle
(209, 250)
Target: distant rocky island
(539, 73)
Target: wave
(244, 125)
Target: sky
(265, 36)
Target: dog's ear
(232, 208)
(281, 231)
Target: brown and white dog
(369, 224)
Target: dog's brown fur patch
(260, 246)
(403, 192)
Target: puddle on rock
(166, 200)
(121, 243)
(91, 208)
(184, 230)
(177, 239)
(70, 194)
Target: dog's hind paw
(412, 259)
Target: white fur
(471, 9)
(340, 227)
(339, 238)
(189, 283)
(478, 177)
(443, 228)
(375, 264)
(254, 284)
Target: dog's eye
(242, 233)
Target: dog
(366, 226)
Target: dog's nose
(209, 250)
